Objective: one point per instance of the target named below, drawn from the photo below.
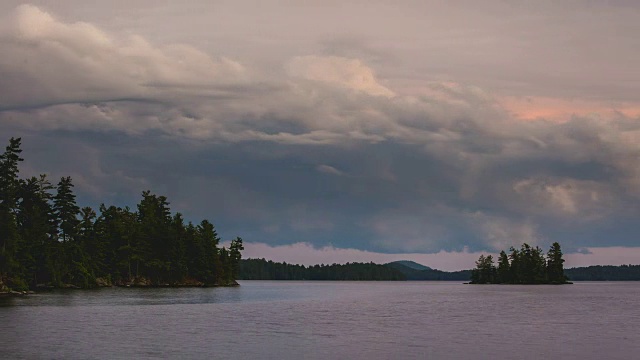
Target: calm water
(328, 320)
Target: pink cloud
(614, 255)
(305, 254)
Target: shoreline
(45, 288)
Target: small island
(47, 241)
(526, 266)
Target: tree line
(604, 273)
(527, 265)
(46, 239)
(261, 269)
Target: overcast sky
(326, 131)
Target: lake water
(328, 320)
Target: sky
(326, 131)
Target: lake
(328, 320)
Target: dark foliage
(261, 269)
(47, 240)
(525, 266)
(604, 273)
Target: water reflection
(320, 320)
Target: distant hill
(410, 264)
(427, 273)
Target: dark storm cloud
(324, 153)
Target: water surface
(328, 320)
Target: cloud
(566, 197)
(443, 168)
(51, 62)
(613, 255)
(343, 72)
(306, 254)
(327, 169)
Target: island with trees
(527, 265)
(48, 241)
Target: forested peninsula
(48, 241)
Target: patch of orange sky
(532, 108)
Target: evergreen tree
(117, 233)
(539, 267)
(179, 267)
(155, 236)
(555, 265)
(90, 255)
(224, 269)
(515, 270)
(207, 237)
(37, 230)
(235, 255)
(44, 242)
(9, 186)
(503, 273)
(485, 271)
(65, 209)
(196, 258)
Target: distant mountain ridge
(414, 271)
(410, 264)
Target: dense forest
(47, 240)
(604, 273)
(261, 269)
(525, 266)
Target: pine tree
(539, 266)
(179, 268)
(235, 255)
(208, 238)
(117, 233)
(154, 245)
(516, 266)
(37, 229)
(555, 265)
(503, 274)
(66, 210)
(485, 271)
(9, 233)
(91, 251)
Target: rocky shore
(139, 282)
(5, 291)
(146, 282)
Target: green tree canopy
(46, 239)
(524, 266)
